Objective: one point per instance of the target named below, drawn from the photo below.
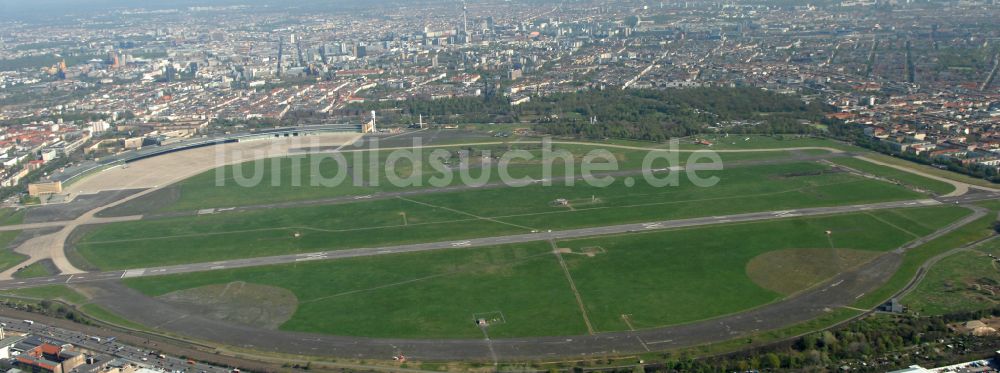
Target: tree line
(876, 343)
(641, 114)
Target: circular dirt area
(793, 270)
(238, 302)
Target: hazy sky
(47, 9)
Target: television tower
(465, 23)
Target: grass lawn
(97, 312)
(68, 295)
(36, 269)
(700, 261)
(415, 295)
(60, 292)
(656, 278)
(964, 281)
(938, 187)
(8, 258)
(468, 214)
(739, 142)
(203, 191)
(914, 258)
(10, 216)
(931, 170)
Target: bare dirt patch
(793, 270)
(238, 302)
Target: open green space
(915, 258)
(36, 269)
(965, 281)
(790, 271)
(11, 216)
(746, 142)
(931, 170)
(711, 260)
(279, 183)
(9, 258)
(938, 187)
(51, 292)
(99, 313)
(471, 213)
(655, 279)
(433, 294)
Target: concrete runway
(838, 292)
(460, 244)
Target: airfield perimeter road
(838, 292)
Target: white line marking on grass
(464, 213)
(572, 286)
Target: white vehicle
(29, 322)
(95, 338)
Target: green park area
(637, 280)
(356, 172)
(966, 280)
(903, 177)
(471, 213)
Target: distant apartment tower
(281, 46)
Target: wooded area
(654, 115)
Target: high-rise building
(281, 46)
(463, 37)
(113, 60)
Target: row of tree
(877, 343)
(654, 115)
(854, 133)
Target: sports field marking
(572, 286)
